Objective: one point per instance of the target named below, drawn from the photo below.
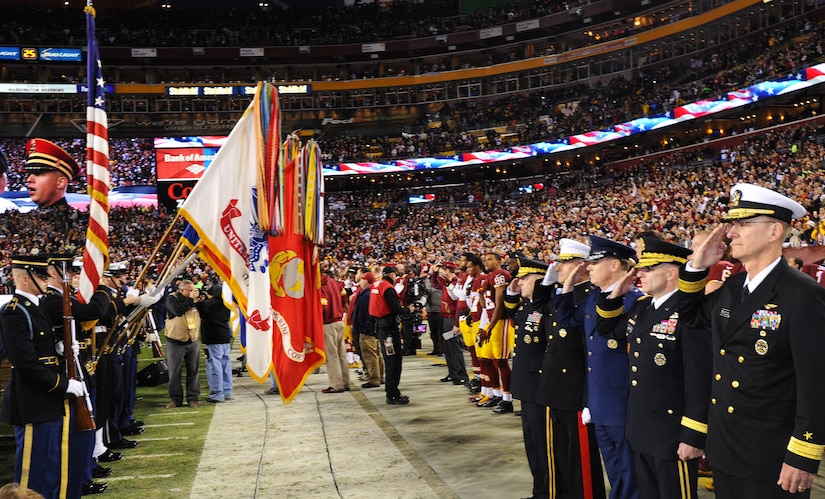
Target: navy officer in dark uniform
(670, 373)
(50, 169)
(531, 309)
(766, 423)
(34, 401)
(562, 388)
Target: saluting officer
(607, 364)
(34, 401)
(766, 428)
(531, 309)
(562, 388)
(670, 371)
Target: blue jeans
(219, 371)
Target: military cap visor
(570, 249)
(603, 248)
(527, 266)
(35, 264)
(749, 201)
(655, 251)
(45, 156)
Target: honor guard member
(766, 423)
(607, 363)
(50, 169)
(112, 390)
(531, 309)
(562, 389)
(670, 372)
(34, 401)
(386, 309)
(82, 468)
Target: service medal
(761, 347)
(562, 333)
(527, 339)
(659, 359)
(612, 344)
(536, 339)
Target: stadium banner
(10, 53)
(61, 55)
(184, 164)
(172, 194)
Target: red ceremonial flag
(96, 254)
(298, 338)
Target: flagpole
(155, 251)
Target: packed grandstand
(674, 181)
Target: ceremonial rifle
(82, 405)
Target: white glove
(75, 388)
(586, 416)
(75, 349)
(551, 276)
(148, 300)
(59, 348)
(133, 292)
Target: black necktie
(745, 292)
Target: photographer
(182, 330)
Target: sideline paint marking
(161, 439)
(148, 456)
(138, 477)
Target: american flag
(96, 255)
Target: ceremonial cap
(527, 266)
(748, 201)
(46, 156)
(60, 257)
(570, 249)
(36, 264)
(603, 248)
(116, 269)
(370, 278)
(389, 269)
(655, 251)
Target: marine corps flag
(274, 279)
(294, 267)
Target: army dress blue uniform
(34, 399)
(562, 388)
(670, 373)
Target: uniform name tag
(725, 313)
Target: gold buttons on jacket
(564, 371)
(734, 384)
(717, 377)
(713, 401)
(730, 409)
(634, 382)
(670, 411)
(762, 333)
(722, 351)
(741, 359)
(636, 354)
(634, 368)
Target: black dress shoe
(137, 422)
(459, 381)
(109, 456)
(90, 487)
(399, 400)
(505, 407)
(446, 379)
(123, 444)
(101, 472)
(131, 431)
(370, 385)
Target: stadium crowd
(295, 25)
(561, 112)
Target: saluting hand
(708, 253)
(624, 285)
(574, 277)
